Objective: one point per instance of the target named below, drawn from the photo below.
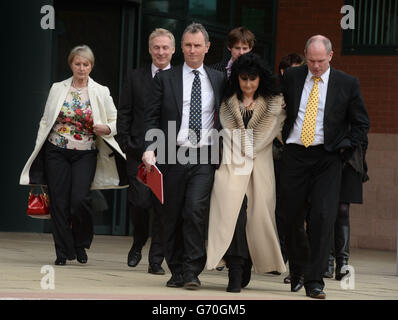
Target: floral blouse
(73, 128)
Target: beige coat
(104, 112)
(255, 178)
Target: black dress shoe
(156, 268)
(220, 268)
(276, 273)
(134, 258)
(296, 283)
(328, 275)
(339, 275)
(81, 255)
(176, 281)
(191, 282)
(316, 293)
(60, 262)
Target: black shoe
(235, 278)
(339, 275)
(220, 268)
(81, 255)
(328, 274)
(60, 262)
(156, 268)
(296, 283)
(276, 273)
(247, 272)
(176, 281)
(316, 293)
(134, 258)
(191, 282)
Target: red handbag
(38, 204)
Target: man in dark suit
(239, 41)
(326, 119)
(183, 106)
(131, 134)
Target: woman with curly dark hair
(242, 230)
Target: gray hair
(83, 51)
(195, 28)
(159, 32)
(319, 38)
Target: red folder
(153, 179)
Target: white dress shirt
(208, 101)
(294, 136)
(155, 69)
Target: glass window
(257, 16)
(216, 11)
(175, 7)
(375, 30)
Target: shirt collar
(188, 69)
(324, 76)
(154, 68)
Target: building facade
(117, 31)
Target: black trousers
(309, 175)
(184, 215)
(142, 213)
(69, 176)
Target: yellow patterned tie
(308, 130)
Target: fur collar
(262, 120)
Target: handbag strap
(43, 191)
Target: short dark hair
(250, 64)
(288, 60)
(195, 28)
(240, 34)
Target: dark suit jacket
(346, 121)
(220, 66)
(132, 110)
(166, 99)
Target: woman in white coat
(242, 228)
(75, 151)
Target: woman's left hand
(101, 129)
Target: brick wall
(374, 224)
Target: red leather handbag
(38, 205)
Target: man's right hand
(149, 159)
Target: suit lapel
(176, 83)
(299, 89)
(331, 92)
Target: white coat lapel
(60, 96)
(92, 94)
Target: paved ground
(107, 276)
